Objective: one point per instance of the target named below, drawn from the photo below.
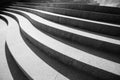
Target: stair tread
(24, 56)
(50, 41)
(4, 69)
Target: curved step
(4, 69)
(60, 67)
(14, 68)
(85, 38)
(63, 35)
(94, 26)
(79, 6)
(4, 19)
(8, 67)
(32, 65)
(103, 17)
(79, 57)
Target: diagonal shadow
(4, 19)
(15, 70)
(66, 70)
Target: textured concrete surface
(24, 56)
(4, 69)
(34, 37)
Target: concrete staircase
(61, 41)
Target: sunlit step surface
(27, 60)
(69, 51)
(29, 27)
(47, 12)
(96, 41)
(76, 6)
(5, 73)
(79, 23)
(96, 16)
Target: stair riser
(109, 18)
(79, 24)
(82, 40)
(78, 6)
(71, 62)
(4, 19)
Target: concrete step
(8, 66)
(57, 63)
(78, 23)
(51, 29)
(75, 57)
(78, 6)
(87, 51)
(30, 64)
(103, 17)
(4, 68)
(54, 63)
(3, 19)
(56, 31)
(95, 41)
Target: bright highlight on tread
(21, 24)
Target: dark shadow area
(71, 39)
(6, 3)
(4, 19)
(58, 67)
(66, 70)
(65, 65)
(15, 70)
